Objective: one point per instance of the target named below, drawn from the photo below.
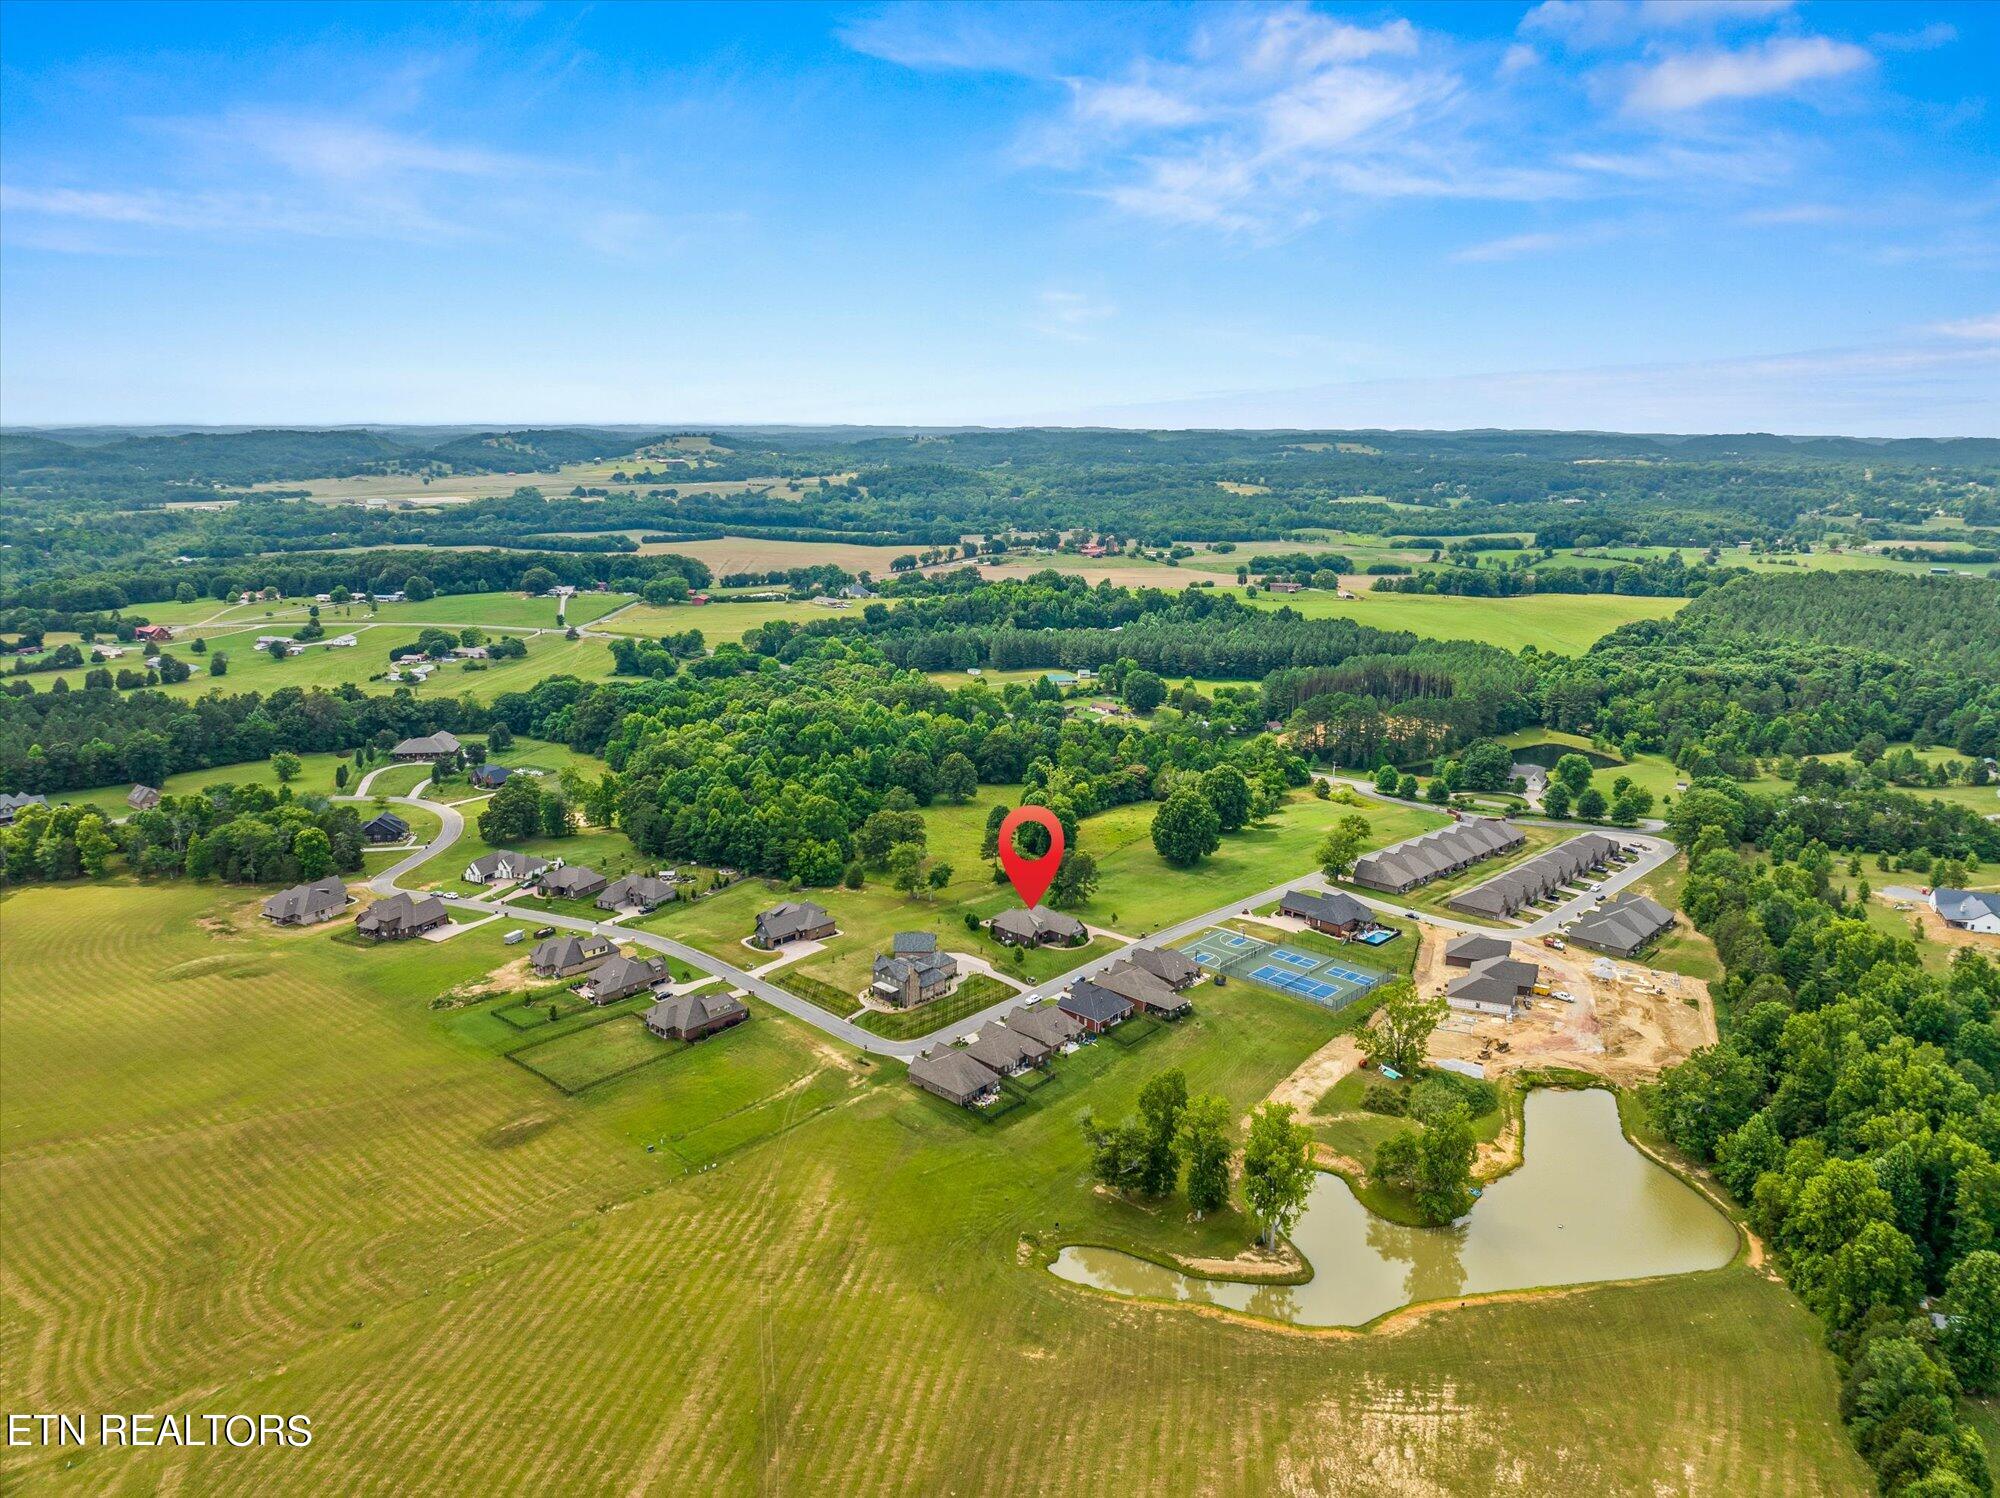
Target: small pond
(1584, 1206)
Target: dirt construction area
(1623, 1021)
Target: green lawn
(1685, 951)
(259, 1170)
(510, 611)
(974, 994)
(1140, 892)
(1566, 623)
(610, 852)
(315, 779)
(718, 622)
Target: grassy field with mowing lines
(310, 1191)
(1566, 623)
(718, 622)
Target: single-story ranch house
(641, 892)
(142, 798)
(308, 904)
(1465, 951)
(1418, 860)
(1046, 1023)
(504, 867)
(695, 1016)
(914, 971)
(385, 827)
(1622, 926)
(401, 916)
(1096, 1009)
(1006, 1050)
(620, 977)
(429, 748)
(1036, 927)
(1968, 910)
(489, 777)
(1495, 986)
(577, 881)
(795, 920)
(566, 956)
(1130, 981)
(1334, 913)
(955, 1077)
(1175, 969)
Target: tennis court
(1283, 969)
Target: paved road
(385, 883)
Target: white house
(1968, 910)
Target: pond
(1584, 1206)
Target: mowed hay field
(258, 1172)
(1567, 623)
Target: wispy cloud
(1541, 242)
(1987, 328)
(1604, 23)
(1780, 65)
(1069, 315)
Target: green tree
(1400, 1032)
(1186, 829)
(513, 814)
(1075, 881)
(1144, 691)
(1386, 780)
(1574, 771)
(906, 868)
(218, 664)
(340, 775)
(286, 766)
(957, 780)
(1590, 804)
(1433, 1165)
(1204, 1145)
(94, 846)
(277, 650)
(1277, 1169)
(1225, 789)
(1342, 845)
(1406, 788)
(1971, 1336)
(418, 588)
(1117, 1151)
(1556, 799)
(313, 852)
(1162, 1101)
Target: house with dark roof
(385, 827)
(1464, 951)
(1154, 995)
(1046, 1023)
(1538, 878)
(1175, 969)
(1967, 910)
(1036, 927)
(1005, 1050)
(157, 634)
(1334, 913)
(913, 971)
(619, 977)
(489, 777)
(502, 867)
(429, 748)
(696, 1016)
(1096, 1009)
(402, 916)
(575, 881)
(1622, 926)
(640, 892)
(955, 1077)
(1432, 855)
(142, 797)
(566, 955)
(794, 920)
(1494, 985)
(13, 804)
(308, 904)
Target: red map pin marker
(1031, 877)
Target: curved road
(1658, 851)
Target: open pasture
(309, 1190)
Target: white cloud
(1540, 242)
(1923, 39)
(1069, 315)
(1781, 65)
(1987, 327)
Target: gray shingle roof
(1046, 1023)
(953, 1074)
(1167, 964)
(1477, 948)
(307, 903)
(690, 1011)
(1965, 904)
(1087, 1001)
(783, 922)
(1335, 908)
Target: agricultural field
(313, 1191)
(1565, 623)
(718, 621)
(499, 611)
(732, 554)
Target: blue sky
(1639, 214)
